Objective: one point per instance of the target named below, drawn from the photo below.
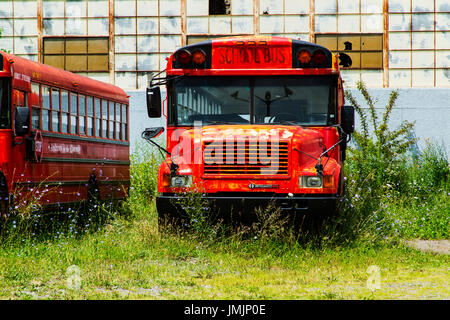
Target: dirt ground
(438, 246)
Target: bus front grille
(245, 158)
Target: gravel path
(438, 246)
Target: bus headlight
(181, 181)
(316, 182)
(310, 182)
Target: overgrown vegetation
(390, 196)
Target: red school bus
(63, 137)
(252, 120)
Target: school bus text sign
(251, 57)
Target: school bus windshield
(5, 108)
(291, 100)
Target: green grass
(125, 256)
(130, 259)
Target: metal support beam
(39, 30)
(111, 43)
(385, 44)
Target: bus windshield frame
(287, 100)
(5, 103)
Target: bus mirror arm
(319, 166)
(150, 133)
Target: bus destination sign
(251, 57)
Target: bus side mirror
(22, 121)
(154, 102)
(348, 119)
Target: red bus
(63, 137)
(252, 120)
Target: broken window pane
(349, 43)
(219, 7)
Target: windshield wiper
(292, 123)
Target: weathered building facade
(392, 43)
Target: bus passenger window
(36, 105)
(65, 111)
(82, 114)
(118, 136)
(90, 116)
(98, 116)
(111, 120)
(104, 118)
(73, 112)
(124, 122)
(5, 106)
(56, 110)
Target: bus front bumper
(245, 205)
